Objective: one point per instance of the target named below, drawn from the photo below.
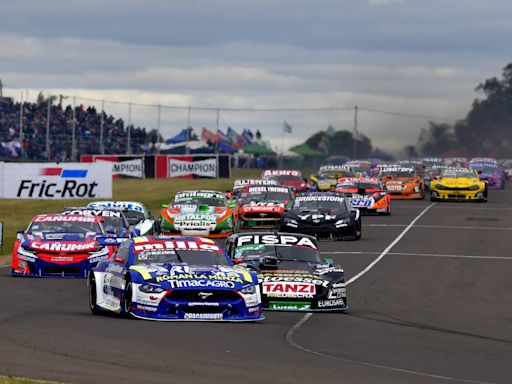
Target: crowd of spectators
(87, 132)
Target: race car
(431, 173)
(324, 215)
(327, 177)
(361, 168)
(262, 206)
(291, 178)
(458, 184)
(240, 184)
(201, 213)
(418, 166)
(365, 194)
(488, 169)
(507, 167)
(114, 221)
(292, 275)
(57, 245)
(174, 278)
(136, 213)
(402, 182)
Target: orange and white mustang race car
(402, 182)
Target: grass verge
(20, 380)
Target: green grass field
(16, 214)
(19, 380)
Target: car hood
(172, 276)
(60, 243)
(457, 181)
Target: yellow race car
(458, 184)
(327, 177)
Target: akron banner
(55, 181)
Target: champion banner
(198, 166)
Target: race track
(435, 308)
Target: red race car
(58, 245)
(262, 206)
(288, 178)
(365, 194)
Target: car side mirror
(119, 260)
(136, 231)
(165, 205)
(229, 195)
(480, 172)
(328, 262)
(20, 231)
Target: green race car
(199, 213)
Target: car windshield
(64, 227)
(196, 200)
(397, 172)
(134, 217)
(457, 172)
(334, 175)
(317, 205)
(283, 253)
(356, 185)
(192, 257)
(264, 195)
(485, 168)
(286, 178)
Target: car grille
(186, 295)
(261, 216)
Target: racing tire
(156, 228)
(432, 198)
(358, 231)
(127, 303)
(93, 295)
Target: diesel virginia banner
(56, 181)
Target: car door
(114, 281)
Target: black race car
(292, 276)
(323, 215)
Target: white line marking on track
(439, 226)
(443, 206)
(307, 316)
(390, 246)
(420, 255)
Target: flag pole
(355, 135)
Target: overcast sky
(409, 56)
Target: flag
(235, 138)
(356, 135)
(287, 128)
(207, 135)
(179, 138)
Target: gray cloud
(410, 56)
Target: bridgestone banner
(55, 181)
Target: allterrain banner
(55, 181)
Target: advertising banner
(122, 167)
(56, 181)
(197, 166)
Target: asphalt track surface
(435, 308)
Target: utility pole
(128, 142)
(355, 135)
(48, 128)
(1, 89)
(73, 132)
(21, 123)
(158, 121)
(102, 127)
(187, 150)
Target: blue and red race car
(58, 245)
(174, 278)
